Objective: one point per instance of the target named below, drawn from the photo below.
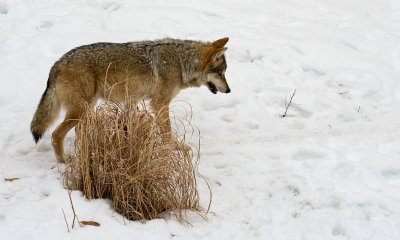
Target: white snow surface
(329, 170)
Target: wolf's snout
(228, 90)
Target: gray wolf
(153, 70)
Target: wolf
(154, 70)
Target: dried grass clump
(120, 154)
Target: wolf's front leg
(161, 110)
(162, 117)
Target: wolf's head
(215, 67)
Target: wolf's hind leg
(71, 119)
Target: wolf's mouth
(212, 87)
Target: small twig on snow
(288, 105)
(65, 219)
(73, 209)
(10, 179)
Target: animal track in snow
(297, 50)
(220, 164)
(392, 176)
(349, 45)
(253, 126)
(211, 14)
(313, 71)
(248, 57)
(44, 25)
(306, 154)
(338, 231)
(293, 190)
(111, 6)
(44, 147)
(297, 126)
(282, 66)
(346, 117)
(304, 113)
(45, 194)
(3, 8)
(220, 104)
(227, 118)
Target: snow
(329, 170)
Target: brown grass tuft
(120, 154)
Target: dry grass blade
(121, 154)
(73, 209)
(288, 105)
(65, 219)
(91, 223)
(10, 179)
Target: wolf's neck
(191, 74)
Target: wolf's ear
(220, 43)
(219, 53)
(210, 56)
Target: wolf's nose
(228, 90)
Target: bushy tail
(47, 111)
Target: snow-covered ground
(329, 170)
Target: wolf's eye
(220, 74)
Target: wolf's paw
(187, 147)
(182, 146)
(69, 158)
(178, 146)
(65, 158)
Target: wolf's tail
(47, 110)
